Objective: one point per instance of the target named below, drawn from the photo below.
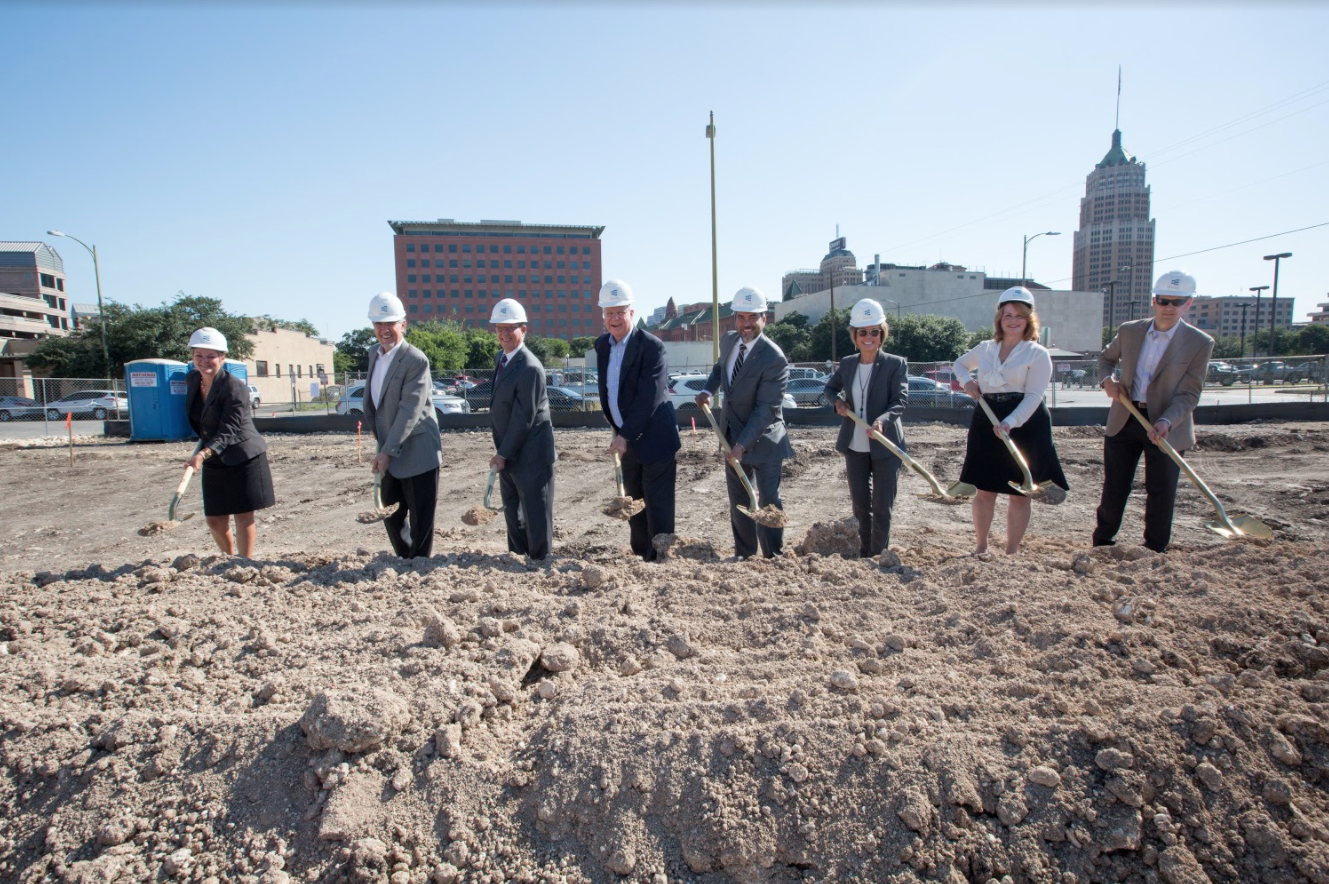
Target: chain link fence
(52, 401)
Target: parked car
(801, 372)
(479, 394)
(683, 390)
(1227, 374)
(808, 392)
(97, 404)
(569, 399)
(1268, 372)
(19, 408)
(1311, 371)
(254, 399)
(945, 376)
(934, 394)
(353, 402)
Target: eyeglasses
(868, 332)
(1170, 302)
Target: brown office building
(457, 270)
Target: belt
(1002, 397)
(1143, 406)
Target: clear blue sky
(255, 155)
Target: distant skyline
(255, 154)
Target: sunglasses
(868, 332)
(1171, 302)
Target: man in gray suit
(399, 413)
(1162, 362)
(523, 436)
(752, 373)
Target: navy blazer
(227, 426)
(519, 414)
(649, 423)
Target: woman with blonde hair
(1010, 372)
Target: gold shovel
(180, 489)
(622, 507)
(481, 515)
(1044, 492)
(956, 494)
(770, 517)
(1229, 527)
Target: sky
(255, 153)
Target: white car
(683, 390)
(95, 403)
(254, 399)
(353, 402)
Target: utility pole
(1242, 354)
(1255, 338)
(715, 265)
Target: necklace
(864, 378)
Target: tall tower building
(1114, 247)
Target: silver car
(353, 402)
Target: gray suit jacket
(519, 414)
(752, 414)
(1177, 382)
(403, 422)
(888, 394)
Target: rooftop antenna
(1116, 123)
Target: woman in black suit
(877, 388)
(233, 456)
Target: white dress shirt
(733, 356)
(381, 370)
(1155, 344)
(1027, 370)
(617, 349)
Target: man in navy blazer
(634, 395)
(752, 374)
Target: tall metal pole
(101, 310)
(832, 316)
(715, 261)
(1242, 353)
(1255, 333)
(1112, 305)
(1273, 303)
(1024, 259)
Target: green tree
(1312, 340)
(790, 335)
(443, 342)
(818, 347)
(982, 335)
(352, 353)
(1227, 347)
(481, 348)
(136, 332)
(300, 325)
(580, 344)
(927, 338)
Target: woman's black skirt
(988, 466)
(242, 488)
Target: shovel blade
(1241, 526)
(961, 489)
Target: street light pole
(1242, 353)
(715, 266)
(1112, 304)
(1255, 336)
(101, 311)
(1024, 260)
(1273, 302)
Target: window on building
(410, 293)
(410, 247)
(410, 277)
(466, 248)
(493, 250)
(507, 250)
(521, 250)
(548, 251)
(261, 368)
(452, 247)
(438, 248)
(278, 367)
(59, 284)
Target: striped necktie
(738, 363)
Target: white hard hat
(1017, 294)
(1175, 284)
(386, 307)
(208, 338)
(748, 300)
(507, 310)
(867, 313)
(615, 293)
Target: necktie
(738, 363)
(502, 363)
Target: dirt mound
(331, 713)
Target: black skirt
(988, 465)
(242, 488)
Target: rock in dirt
(560, 657)
(442, 632)
(353, 720)
(676, 546)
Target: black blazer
(227, 427)
(888, 394)
(649, 423)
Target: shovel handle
(1181, 462)
(896, 450)
(724, 445)
(489, 487)
(184, 483)
(618, 474)
(1029, 485)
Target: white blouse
(1027, 370)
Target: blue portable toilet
(237, 368)
(156, 391)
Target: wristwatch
(207, 453)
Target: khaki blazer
(1177, 382)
